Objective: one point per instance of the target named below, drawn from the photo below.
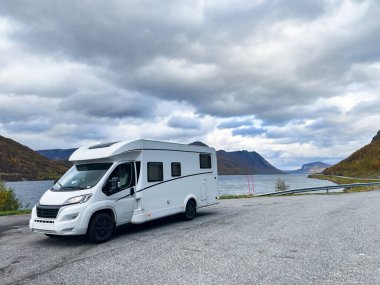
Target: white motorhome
(127, 182)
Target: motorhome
(127, 182)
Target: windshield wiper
(60, 185)
(74, 187)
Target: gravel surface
(312, 239)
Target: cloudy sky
(296, 81)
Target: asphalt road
(313, 239)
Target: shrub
(281, 185)
(8, 200)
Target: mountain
(364, 162)
(244, 162)
(241, 162)
(18, 162)
(57, 154)
(229, 163)
(310, 168)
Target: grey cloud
(234, 124)
(371, 107)
(126, 39)
(112, 104)
(184, 123)
(274, 60)
(27, 108)
(34, 126)
(248, 132)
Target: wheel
(51, 236)
(101, 228)
(190, 211)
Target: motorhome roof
(111, 149)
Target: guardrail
(321, 188)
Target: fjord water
(29, 192)
(238, 184)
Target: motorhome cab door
(124, 177)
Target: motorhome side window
(125, 175)
(205, 160)
(155, 171)
(176, 169)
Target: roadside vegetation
(348, 180)
(364, 162)
(235, 196)
(9, 204)
(281, 185)
(15, 212)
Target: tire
(190, 211)
(52, 236)
(101, 228)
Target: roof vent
(102, 145)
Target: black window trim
(162, 170)
(200, 163)
(180, 169)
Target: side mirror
(132, 191)
(114, 184)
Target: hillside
(311, 168)
(244, 162)
(364, 162)
(18, 162)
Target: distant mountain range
(364, 163)
(18, 162)
(244, 162)
(57, 154)
(229, 163)
(310, 168)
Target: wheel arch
(187, 199)
(91, 214)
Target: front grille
(47, 211)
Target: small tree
(281, 185)
(8, 199)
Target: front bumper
(67, 222)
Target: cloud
(306, 73)
(184, 123)
(34, 126)
(234, 124)
(247, 132)
(110, 103)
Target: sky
(295, 81)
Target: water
(29, 192)
(238, 184)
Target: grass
(347, 180)
(235, 196)
(342, 180)
(15, 212)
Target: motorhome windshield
(81, 176)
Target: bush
(281, 185)
(8, 200)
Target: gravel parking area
(311, 239)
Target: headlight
(78, 199)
